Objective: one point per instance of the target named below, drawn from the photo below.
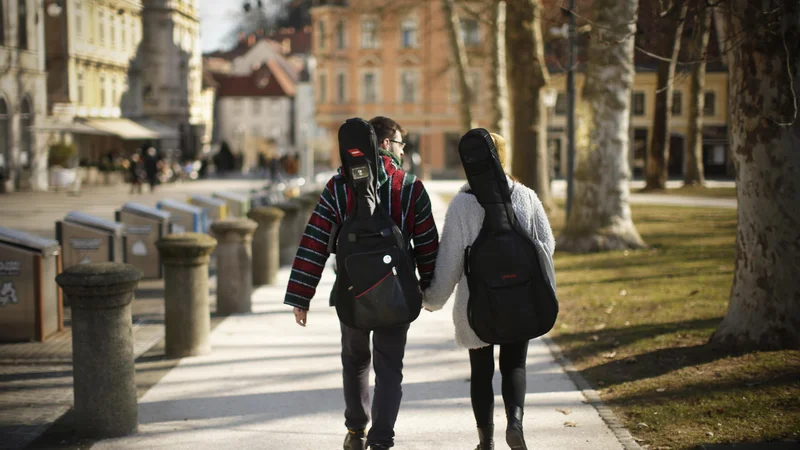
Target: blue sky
(216, 21)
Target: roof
(299, 42)
(267, 81)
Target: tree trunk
(459, 53)
(764, 309)
(498, 84)
(693, 162)
(527, 75)
(657, 167)
(601, 216)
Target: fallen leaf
(564, 411)
(625, 253)
(609, 355)
(564, 326)
(623, 292)
(642, 425)
(610, 309)
(627, 323)
(599, 326)
(661, 390)
(631, 360)
(709, 434)
(595, 338)
(570, 424)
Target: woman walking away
(462, 225)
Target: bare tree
(527, 75)
(601, 217)
(498, 84)
(693, 161)
(461, 62)
(657, 164)
(764, 71)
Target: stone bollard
(234, 265)
(187, 317)
(103, 372)
(289, 236)
(266, 244)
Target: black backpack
(512, 287)
(376, 286)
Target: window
(124, 34)
(22, 24)
(323, 88)
(340, 35)
(369, 34)
(2, 36)
(113, 31)
(470, 32)
(340, 93)
(80, 85)
(408, 87)
(370, 89)
(710, 104)
(26, 132)
(638, 103)
(101, 25)
(677, 103)
(561, 104)
(113, 91)
(102, 91)
(5, 148)
(256, 106)
(321, 34)
(257, 132)
(78, 18)
(409, 33)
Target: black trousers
(388, 350)
(512, 369)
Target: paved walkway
(270, 384)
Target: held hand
(300, 316)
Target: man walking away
(406, 200)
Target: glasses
(400, 143)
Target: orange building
(395, 61)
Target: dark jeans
(389, 348)
(512, 369)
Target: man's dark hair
(385, 127)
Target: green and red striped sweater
(402, 194)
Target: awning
(164, 131)
(126, 129)
(69, 127)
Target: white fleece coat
(462, 224)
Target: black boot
(486, 436)
(354, 440)
(514, 436)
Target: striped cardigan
(405, 198)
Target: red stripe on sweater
(299, 289)
(396, 193)
(312, 244)
(308, 267)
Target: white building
(254, 113)
(23, 96)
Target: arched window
(2, 24)
(102, 91)
(26, 132)
(5, 148)
(340, 35)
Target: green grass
(636, 325)
(698, 191)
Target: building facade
(254, 113)
(23, 100)
(396, 61)
(171, 69)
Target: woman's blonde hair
(500, 144)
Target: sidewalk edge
(622, 434)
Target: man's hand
(300, 316)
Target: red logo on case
(510, 277)
(355, 152)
